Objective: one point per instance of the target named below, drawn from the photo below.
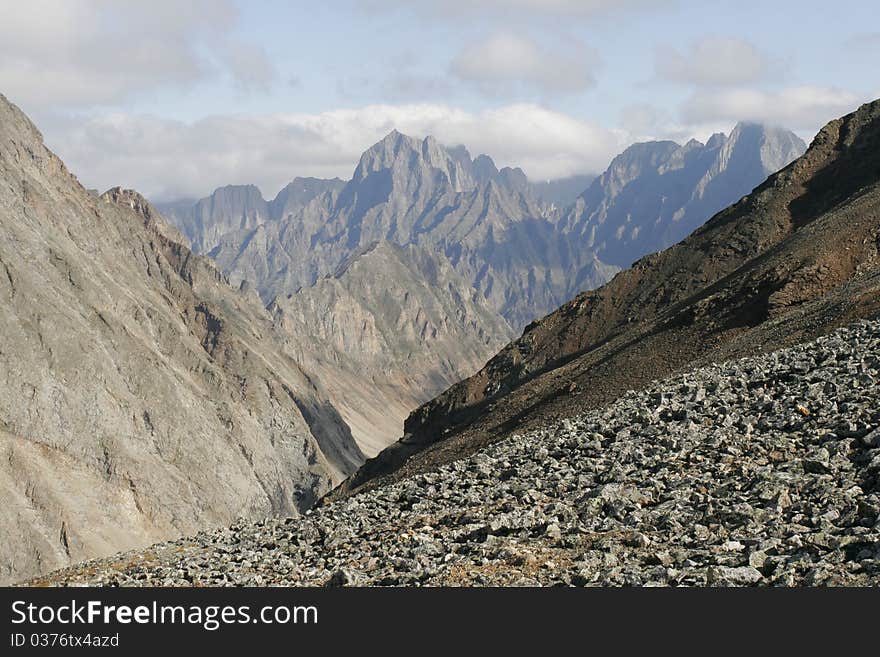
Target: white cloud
(92, 52)
(249, 66)
(454, 8)
(507, 62)
(167, 159)
(714, 61)
(803, 108)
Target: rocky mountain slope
(235, 208)
(758, 472)
(392, 328)
(655, 194)
(517, 242)
(485, 221)
(562, 192)
(299, 193)
(227, 210)
(794, 259)
(141, 397)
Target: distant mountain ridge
(796, 258)
(234, 208)
(486, 221)
(655, 194)
(507, 237)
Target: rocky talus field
(761, 471)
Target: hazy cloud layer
(714, 61)
(96, 52)
(804, 108)
(542, 8)
(508, 63)
(169, 159)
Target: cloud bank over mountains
(175, 99)
(173, 159)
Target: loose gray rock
(722, 496)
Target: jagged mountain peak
(391, 147)
(245, 188)
(795, 258)
(299, 192)
(773, 145)
(656, 193)
(245, 195)
(484, 168)
(406, 157)
(716, 140)
(151, 216)
(132, 199)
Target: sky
(175, 99)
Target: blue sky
(175, 99)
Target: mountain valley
(238, 370)
(141, 396)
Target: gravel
(762, 471)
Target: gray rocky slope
(141, 397)
(761, 471)
(391, 329)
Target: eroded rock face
(392, 328)
(758, 472)
(229, 209)
(141, 397)
(655, 194)
(796, 258)
(485, 221)
(510, 239)
(299, 193)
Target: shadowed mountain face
(299, 193)
(235, 208)
(656, 193)
(394, 327)
(141, 397)
(485, 221)
(508, 238)
(228, 209)
(560, 193)
(794, 259)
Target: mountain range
(794, 259)
(243, 356)
(239, 207)
(655, 194)
(509, 238)
(504, 237)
